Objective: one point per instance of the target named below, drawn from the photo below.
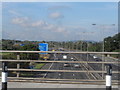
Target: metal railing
(95, 76)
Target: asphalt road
(60, 66)
(77, 57)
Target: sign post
(43, 47)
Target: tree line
(111, 44)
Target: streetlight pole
(103, 49)
(87, 50)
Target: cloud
(61, 29)
(43, 25)
(14, 13)
(20, 21)
(42, 30)
(49, 27)
(56, 15)
(49, 31)
(38, 23)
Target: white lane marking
(49, 67)
(47, 72)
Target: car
(76, 65)
(94, 57)
(74, 60)
(98, 59)
(64, 56)
(66, 64)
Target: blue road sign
(22, 44)
(43, 47)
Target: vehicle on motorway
(66, 64)
(73, 59)
(98, 59)
(76, 65)
(94, 57)
(64, 56)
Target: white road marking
(50, 66)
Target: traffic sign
(43, 47)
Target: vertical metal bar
(103, 60)
(18, 65)
(4, 76)
(87, 61)
(109, 77)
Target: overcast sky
(59, 21)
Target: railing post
(109, 77)
(18, 64)
(4, 76)
(103, 66)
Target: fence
(52, 67)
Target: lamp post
(103, 46)
(87, 49)
(103, 26)
(86, 39)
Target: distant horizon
(59, 41)
(55, 41)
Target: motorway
(68, 75)
(60, 66)
(73, 76)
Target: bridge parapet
(92, 70)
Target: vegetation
(39, 66)
(112, 44)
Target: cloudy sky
(59, 21)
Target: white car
(65, 57)
(76, 65)
(94, 57)
(66, 65)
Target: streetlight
(87, 48)
(103, 49)
(103, 59)
(86, 39)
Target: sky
(59, 21)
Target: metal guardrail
(60, 61)
(42, 61)
(44, 70)
(60, 52)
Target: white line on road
(50, 66)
